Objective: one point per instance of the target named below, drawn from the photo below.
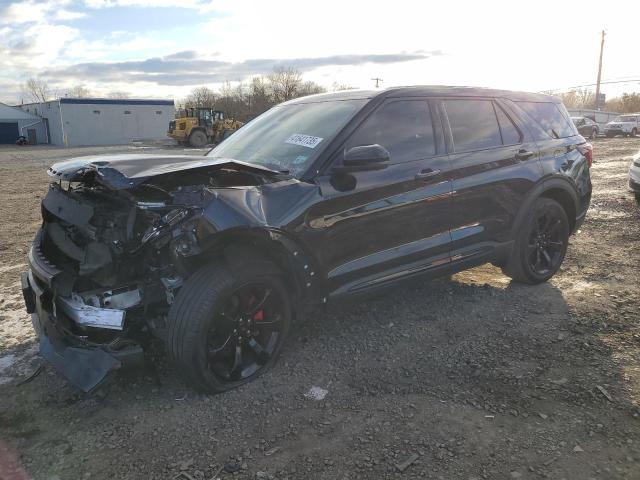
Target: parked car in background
(634, 176)
(587, 127)
(320, 198)
(626, 125)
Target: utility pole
(377, 80)
(599, 70)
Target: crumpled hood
(121, 172)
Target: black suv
(319, 198)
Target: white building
(15, 123)
(99, 121)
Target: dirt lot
(469, 376)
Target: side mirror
(363, 158)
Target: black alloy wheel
(546, 245)
(246, 332)
(540, 243)
(228, 324)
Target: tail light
(586, 149)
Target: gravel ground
(467, 377)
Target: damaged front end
(114, 248)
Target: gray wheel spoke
(261, 303)
(214, 351)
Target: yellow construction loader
(199, 126)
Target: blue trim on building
(108, 101)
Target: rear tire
(540, 245)
(226, 133)
(209, 325)
(198, 139)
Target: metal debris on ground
(271, 451)
(183, 476)
(404, 465)
(316, 393)
(604, 392)
(35, 373)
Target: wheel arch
(559, 189)
(238, 246)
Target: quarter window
(510, 134)
(403, 127)
(550, 117)
(473, 123)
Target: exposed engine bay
(114, 249)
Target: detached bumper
(85, 366)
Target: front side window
(551, 117)
(473, 123)
(403, 127)
(626, 118)
(288, 137)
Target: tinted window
(473, 123)
(550, 117)
(510, 134)
(288, 137)
(403, 127)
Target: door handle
(523, 154)
(427, 173)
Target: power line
(633, 80)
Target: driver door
(384, 224)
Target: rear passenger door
(494, 164)
(392, 222)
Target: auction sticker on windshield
(308, 141)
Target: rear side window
(550, 117)
(403, 127)
(510, 134)
(473, 123)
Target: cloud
(69, 15)
(196, 4)
(186, 68)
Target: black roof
(426, 91)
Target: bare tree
(118, 94)
(201, 97)
(285, 83)
(337, 87)
(78, 91)
(259, 95)
(37, 90)
(627, 103)
(310, 88)
(581, 98)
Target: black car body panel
(127, 231)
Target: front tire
(225, 329)
(198, 139)
(540, 246)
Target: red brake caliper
(259, 316)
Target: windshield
(288, 137)
(626, 118)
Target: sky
(163, 48)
